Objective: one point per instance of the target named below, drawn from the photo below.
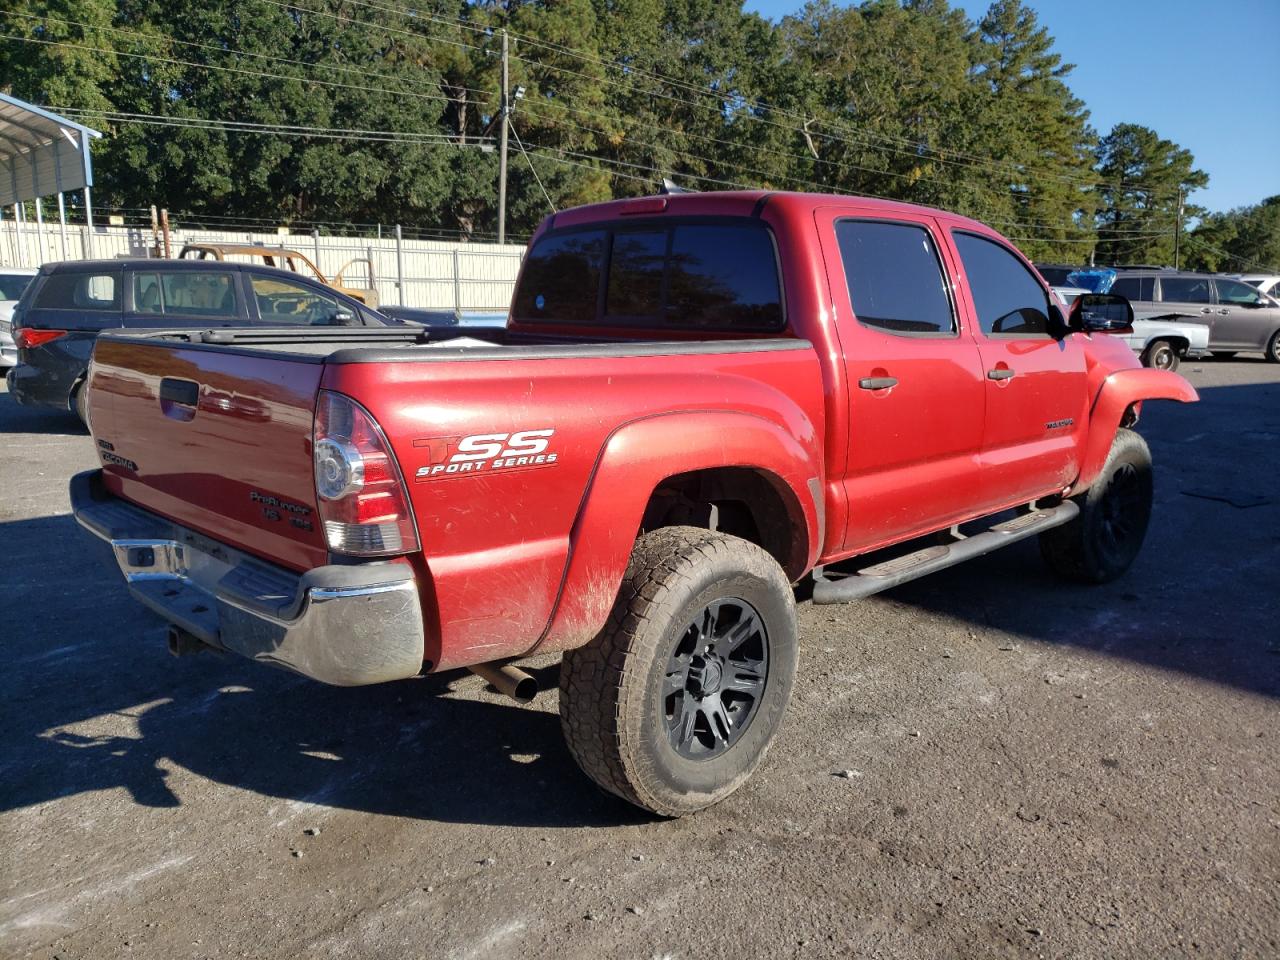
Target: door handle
(999, 373)
(1224, 311)
(1206, 310)
(877, 383)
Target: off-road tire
(1086, 549)
(611, 690)
(1273, 348)
(1160, 355)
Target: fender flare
(636, 458)
(1118, 393)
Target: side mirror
(342, 317)
(1101, 313)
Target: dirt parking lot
(987, 763)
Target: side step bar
(902, 569)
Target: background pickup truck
(700, 400)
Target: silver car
(1161, 340)
(13, 280)
(1239, 318)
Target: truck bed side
(503, 542)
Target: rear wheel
(674, 703)
(80, 404)
(1273, 348)
(1102, 542)
(1160, 355)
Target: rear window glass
(1135, 288)
(12, 285)
(706, 276)
(561, 279)
(635, 274)
(894, 277)
(80, 291)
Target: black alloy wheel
(715, 679)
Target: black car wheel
(675, 702)
(1104, 539)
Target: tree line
(338, 113)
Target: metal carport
(42, 154)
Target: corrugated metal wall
(437, 274)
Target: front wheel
(1273, 348)
(1160, 355)
(1104, 539)
(674, 703)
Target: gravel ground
(987, 763)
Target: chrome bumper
(344, 625)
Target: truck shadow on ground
(92, 701)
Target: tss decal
(485, 453)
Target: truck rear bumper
(344, 625)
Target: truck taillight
(362, 497)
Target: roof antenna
(670, 186)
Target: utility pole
(1177, 233)
(502, 143)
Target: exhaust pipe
(184, 644)
(508, 680)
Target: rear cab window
(715, 275)
(1009, 299)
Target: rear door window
(199, 294)
(1184, 289)
(683, 275)
(1010, 301)
(286, 303)
(93, 292)
(1135, 288)
(895, 278)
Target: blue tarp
(1093, 279)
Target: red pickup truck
(699, 400)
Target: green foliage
(1143, 180)
(370, 111)
(1246, 240)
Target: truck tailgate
(216, 440)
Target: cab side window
(1010, 301)
(895, 278)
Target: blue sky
(1204, 75)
